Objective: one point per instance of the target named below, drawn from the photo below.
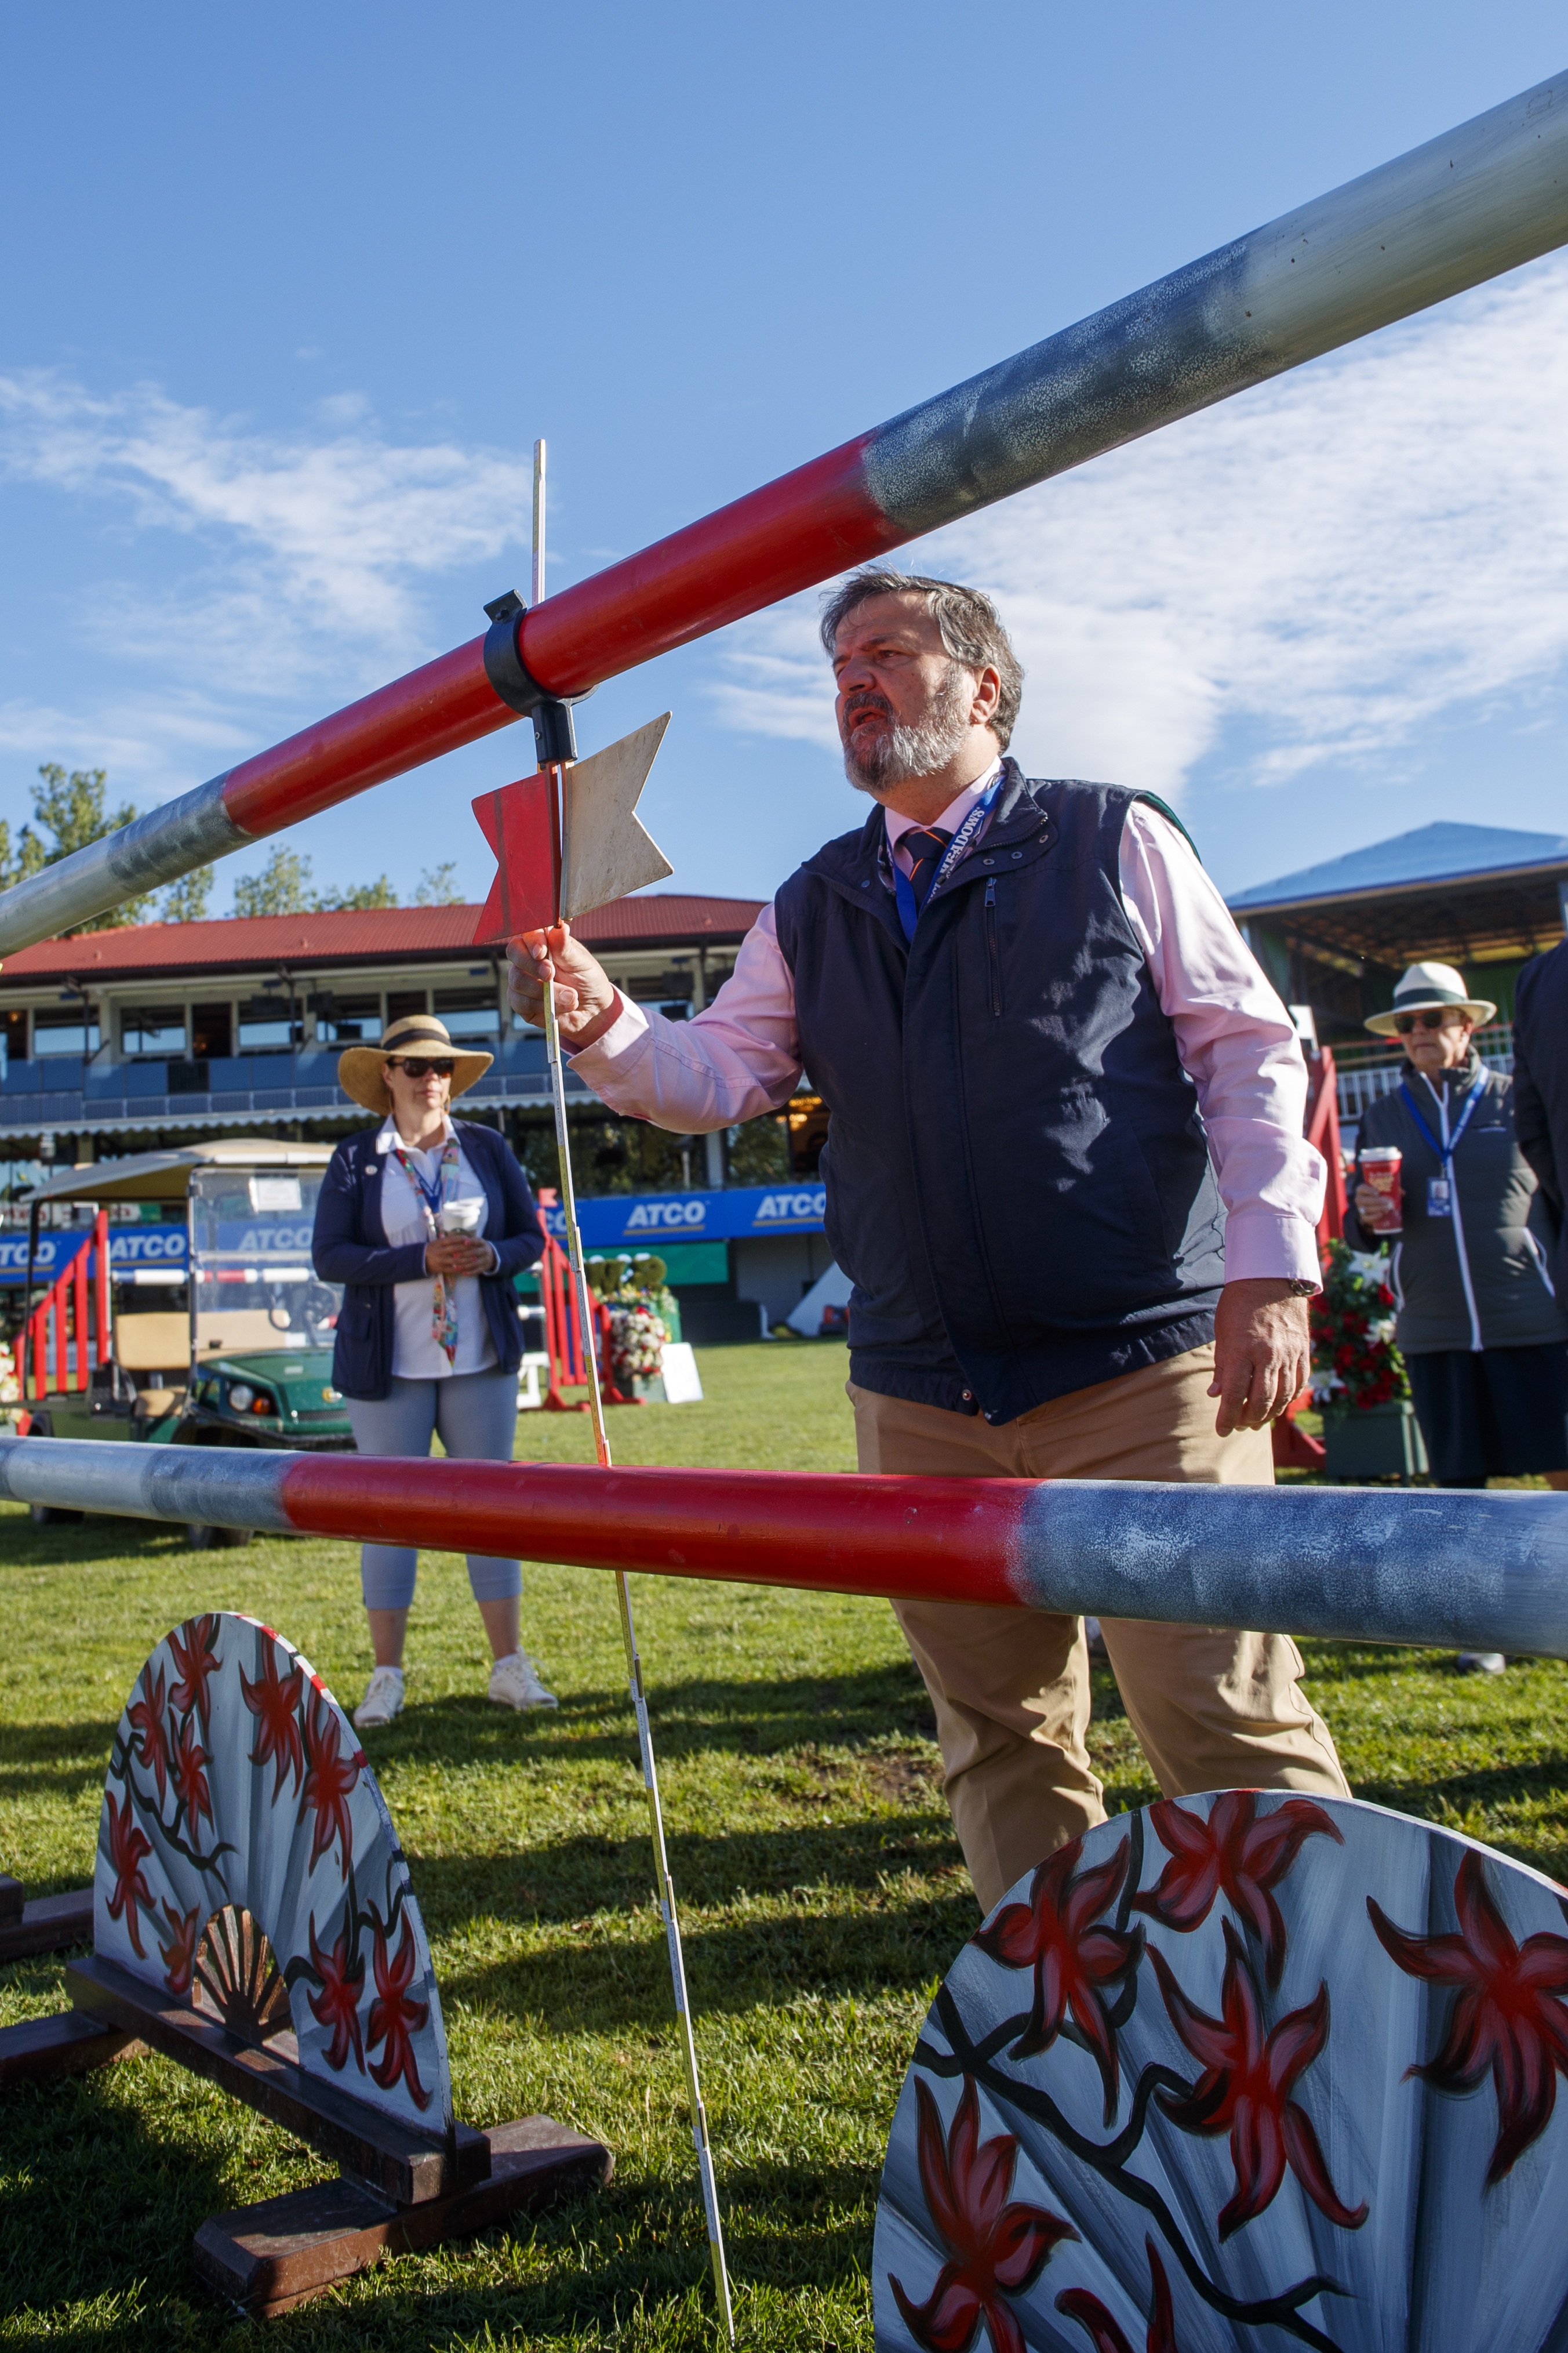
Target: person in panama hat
(425, 1221)
(1482, 1336)
(1432, 989)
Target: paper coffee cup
(459, 1216)
(1380, 1165)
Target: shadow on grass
(104, 2188)
(101, 2210)
(53, 1759)
(743, 1717)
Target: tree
(186, 901)
(72, 807)
(379, 893)
(282, 887)
(440, 888)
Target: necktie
(927, 845)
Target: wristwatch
(1301, 1286)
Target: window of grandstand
(346, 1020)
(468, 1012)
(264, 1025)
(64, 1033)
(152, 1029)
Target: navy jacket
(351, 1248)
(1018, 1181)
(1541, 1091)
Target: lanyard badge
(1441, 1189)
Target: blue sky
(288, 294)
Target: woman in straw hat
(1482, 1337)
(424, 1223)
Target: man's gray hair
(971, 629)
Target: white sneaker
(514, 1682)
(1480, 1662)
(383, 1699)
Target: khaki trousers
(1212, 1708)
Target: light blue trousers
(476, 1415)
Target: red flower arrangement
(1355, 1360)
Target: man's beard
(896, 754)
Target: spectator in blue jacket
(424, 1222)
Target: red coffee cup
(1380, 1164)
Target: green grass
(822, 1898)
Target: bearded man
(1065, 1172)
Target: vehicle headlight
(264, 1403)
(240, 1396)
(331, 1397)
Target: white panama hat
(1426, 986)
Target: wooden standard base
(66, 2043)
(400, 2164)
(273, 2256)
(47, 1924)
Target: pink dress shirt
(740, 1056)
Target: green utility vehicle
(232, 1348)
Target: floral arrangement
(10, 1392)
(642, 1311)
(636, 1340)
(1355, 1360)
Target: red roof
(360, 934)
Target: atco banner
(129, 1247)
(643, 1220)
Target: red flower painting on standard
(1237, 1853)
(195, 1648)
(337, 2004)
(179, 1952)
(1106, 2333)
(996, 2248)
(188, 1773)
(329, 1779)
(150, 1733)
(394, 2019)
(128, 1847)
(1245, 2088)
(1058, 1935)
(274, 1700)
(1506, 2015)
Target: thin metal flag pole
(664, 1884)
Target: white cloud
(1333, 560)
(305, 562)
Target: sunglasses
(1433, 1020)
(418, 1068)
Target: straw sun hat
(1422, 988)
(416, 1034)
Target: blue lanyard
(909, 913)
(430, 1191)
(1446, 1152)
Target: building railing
(138, 1094)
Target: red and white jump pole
(1465, 208)
(1451, 1570)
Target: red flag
(517, 823)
